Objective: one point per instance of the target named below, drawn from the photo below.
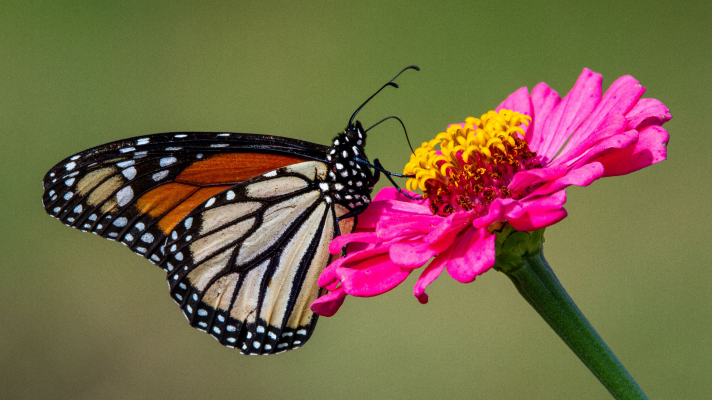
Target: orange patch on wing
(234, 167)
(172, 219)
(160, 200)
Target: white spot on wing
(78, 209)
(188, 223)
(230, 195)
(129, 173)
(210, 202)
(142, 141)
(125, 164)
(271, 174)
(219, 145)
(159, 175)
(70, 166)
(127, 149)
(147, 237)
(180, 136)
(68, 195)
(68, 182)
(166, 161)
(124, 196)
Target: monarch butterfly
(241, 223)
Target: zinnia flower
(511, 166)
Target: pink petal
(380, 209)
(340, 241)
(539, 213)
(582, 176)
(429, 275)
(399, 227)
(328, 304)
(376, 276)
(612, 125)
(519, 102)
(496, 212)
(647, 112)
(472, 255)
(648, 150)
(568, 114)
(543, 100)
(606, 146)
(453, 222)
(412, 254)
(335, 271)
(583, 170)
(530, 177)
(619, 99)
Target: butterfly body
(241, 223)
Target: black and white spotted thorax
(349, 182)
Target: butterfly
(241, 223)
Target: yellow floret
(482, 136)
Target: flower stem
(536, 282)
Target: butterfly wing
(244, 265)
(240, 222)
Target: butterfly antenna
(402, 124)
(390, 83)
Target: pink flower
(510, 166)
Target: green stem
(537, 283)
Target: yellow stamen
(487, 136)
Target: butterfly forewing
(136, 190)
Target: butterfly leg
(379, 168)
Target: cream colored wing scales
(244, 265)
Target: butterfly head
(351, 180)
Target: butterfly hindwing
(244, 265)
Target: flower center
(474, 164)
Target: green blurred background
(84, 318)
